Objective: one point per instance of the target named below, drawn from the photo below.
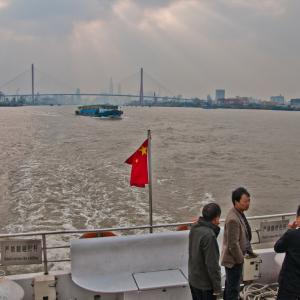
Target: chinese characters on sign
(21, 252)
(272, 230)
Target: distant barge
(100, 111)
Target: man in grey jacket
(204, 268)
(236, 243)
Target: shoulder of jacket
(232, 216)
(207, 239)
(231, 212)
(205, 231)
(195, 226)
(209, 234)
(293, 232)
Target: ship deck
(134, 265)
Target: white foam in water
(65, 172)
(207, 198)
(197, 206)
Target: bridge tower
(142, 89)
(32, 83)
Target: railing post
(45, 254)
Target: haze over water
(60, 171)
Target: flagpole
(150, 183)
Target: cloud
(192, 47)
(263, 7)
(55, 17)
(3, 3)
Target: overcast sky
(248, 47)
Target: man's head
(211, 213)
(241, 199)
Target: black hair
(211, 211)
(298, 211)
(238, 193)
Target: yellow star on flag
(143, 150)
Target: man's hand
(293, 225)
(251, 255)
(218, 295)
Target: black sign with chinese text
(21, 252)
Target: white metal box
(251, 270)
(44, 287)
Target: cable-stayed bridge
(36, 87)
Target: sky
(192, 47)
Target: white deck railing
(45, 234)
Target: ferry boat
(148, 266)
(100, 111)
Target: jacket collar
(215, 228)
(239, 215)
(237, 212)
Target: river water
(61, 171)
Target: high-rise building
(277, 99)
(2, 95)
(78, 96)
(295, 103)
(220, 94)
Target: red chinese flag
(139, 163)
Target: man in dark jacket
(289, 277)
(204, 268)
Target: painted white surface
(106, 265)
(108, 258)
(159, 279)
(10, 290)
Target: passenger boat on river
(100, 111)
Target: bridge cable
(15, 78)
(60, 82)
(126, 79)
(159, 84)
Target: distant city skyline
(248, 48)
